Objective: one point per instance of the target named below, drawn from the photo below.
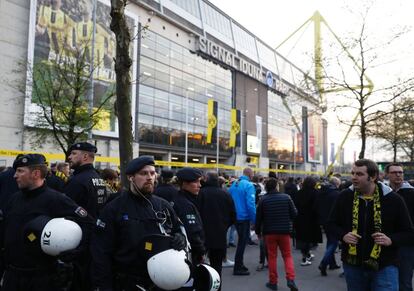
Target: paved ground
(307, 278)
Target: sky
(273, 21)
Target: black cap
(29, 160)
(138, 163)
(154, 244)
(167, 174)
(83, 146)
(189, 174)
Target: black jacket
(274, 214)
(8, 186)
(407, 193)
(25, 206)
(306, 222)
(395, 220)
(87, 189)
(122, 224)
(217, 213)
(325, 201)
(166, 191)
(185, 205)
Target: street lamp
(186, 123)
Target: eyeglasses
(396, 172)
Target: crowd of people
(186, 219)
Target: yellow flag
(235, 128)
(212, 120)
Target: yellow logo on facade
(212, 121)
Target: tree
(60, 88)
(390, 129)
(123, 63)
(406, 117)
(360, 97)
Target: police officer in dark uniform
(117, 263)
(26, 266)
(85, 187)
(185, 205)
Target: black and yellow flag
(235, 128)
(212, 112)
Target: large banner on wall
(315, 139)
(61, 31)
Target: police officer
(85, 187)
(117, 263)
(185, 205)
(26, 266)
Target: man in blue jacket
(243, 194)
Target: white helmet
(206, 278)
(169, 269)
(60, 235)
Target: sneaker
(292, 286)
(310, 257)
(227, 264)
(260, 267)
(323, 270)
(305, 262)
(271, 286)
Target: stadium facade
(197, 74)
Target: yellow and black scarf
(372, 262)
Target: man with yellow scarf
(372, 221)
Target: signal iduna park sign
(219, 53)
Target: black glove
(70, 256)
(178, 241)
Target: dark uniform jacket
(217, 213)
(87, 189)
(166, 191)
(185, 205)
(395, 220)
(122, 224)
(25, 206)
(275, 214)
(8, 186)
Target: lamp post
(186, 123)
(294, 151)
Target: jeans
(243, 230)
(230, 234)
(329, 256)
(406, 268)
(362, 279)
(273, 241)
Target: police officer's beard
(138, 192)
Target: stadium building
(197, 75)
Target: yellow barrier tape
(115, 161)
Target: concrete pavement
(308, 278)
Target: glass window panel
(145, 119)
(216, 20)
(245, 42)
